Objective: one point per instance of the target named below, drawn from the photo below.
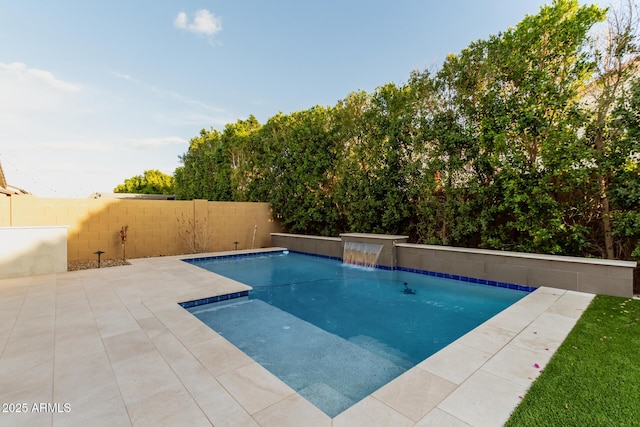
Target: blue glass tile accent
(466, 279)
(231, 256)
(209, 300)
(335, 258)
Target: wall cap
(373, 236)
(560, 258)
(13, 227)
(304, 236)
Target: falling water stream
(361, 254)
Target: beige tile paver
(219, 356)
(254, 387)
(517, 364)
(484, 399)
(88, 385)
(371, 412)
(439, 418)
(546, 333)
(291, 412)
(115, 345)
(456, 362)
(415, 393)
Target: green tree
(498, 148)
(624, 164)
(616, 56)
(238, 144)
(376, 168)
(507, 135)
(292, 168)
(216, 165)
(195, 178)
(151, 182)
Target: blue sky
(94, 92)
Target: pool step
(329, 371)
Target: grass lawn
(594, 377)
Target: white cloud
(164, 93)
(20, 71)
(122, 76)
(158, 142)
(89, 146)
(193, 112)
(30, 89)
(181, 21)
(61, 138)
(194, 102)
(203, 22)
(195, 120)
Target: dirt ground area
(85, 265)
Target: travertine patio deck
(114, 345)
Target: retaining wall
(609, 277)
(327, 246)
(27, 251)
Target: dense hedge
(521, 142)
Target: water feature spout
(361, 254)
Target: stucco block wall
(327, 246)
(156, 227)
(5, 211)
(28, 251)
(577, 274)
(249, 224)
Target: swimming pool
(336, 333)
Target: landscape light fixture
(99, 253)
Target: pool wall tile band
(218, 298)
(335, 258)
(382, 267)
(470, 279)
(231, 256)
(436, 274)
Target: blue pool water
(336, 333)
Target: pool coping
(477, 380)
(433, 365)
